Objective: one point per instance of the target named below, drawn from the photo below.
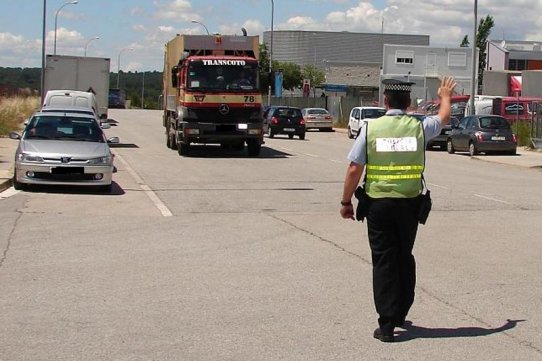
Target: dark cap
(397, 85)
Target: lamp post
(271, 56)
(118, 65)
(474, 63)
(42, 85)
(56, 19)
(88, 42)
(202, 24)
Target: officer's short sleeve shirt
(358, 153)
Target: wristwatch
(347, 203)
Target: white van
(359, 116)
(71, 98)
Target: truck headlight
(25, 157)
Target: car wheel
(450, 147)
(173, 142)
(168, 140)
(512, 152)
(472, 149)
(17, 185)
(291, 136)
(350, 135)
(302, 136)
(270, 133)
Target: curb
(5, 184)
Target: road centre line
(492, 199)
(148, 191)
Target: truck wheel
(184, 149)
(254, 147)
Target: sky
(135, 31)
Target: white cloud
(177, 10)
(139, 28)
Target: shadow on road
(413, 332)
(215, 151)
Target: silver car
(63, 148)
(317, 118)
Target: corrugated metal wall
(313, 47)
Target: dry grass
(14, 111)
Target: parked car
(63, 149)
(442, 139)
(71, 98)
(482, 133)
(359, 116)
(79, 110)
(284, 120)
(317, 118)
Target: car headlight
(101, 160)
(25, 157)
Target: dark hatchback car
(441, 139)
(284, 120)
(482, 133)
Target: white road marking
(311, 155)
(437, 186)
(492, 199)
(337, 161)
(148, 191)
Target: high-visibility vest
(395, 157)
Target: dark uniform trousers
(392, 225)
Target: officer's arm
(351, 181)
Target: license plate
(68, 170)
(289, 129)
(498, 138)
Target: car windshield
(494, 123)
(63, 127)
(222, 74)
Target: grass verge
(14, 111)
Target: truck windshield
(222, 75)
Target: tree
(315, 75)
(291, 74)
(484, 29)
(465, 43)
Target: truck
(514, 109)
(212, 92)
(88, 74)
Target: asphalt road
(221, 256)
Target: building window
(404, 57)
(457, 59)
(517, 64)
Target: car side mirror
(14, 135)
(113, 140)
(105, 125)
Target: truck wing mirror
(174, 78)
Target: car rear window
(373, 113)
(317, 111)
(288, 112)
(494, 123)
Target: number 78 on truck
(212, 92)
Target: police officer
(391, 151)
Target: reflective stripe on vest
(395, 157)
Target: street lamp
(474, 64)
(271, 55)
(88, 42)
(56, 19)
(202, 24)
(118, 65)
(42, 85)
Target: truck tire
(254, 147)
